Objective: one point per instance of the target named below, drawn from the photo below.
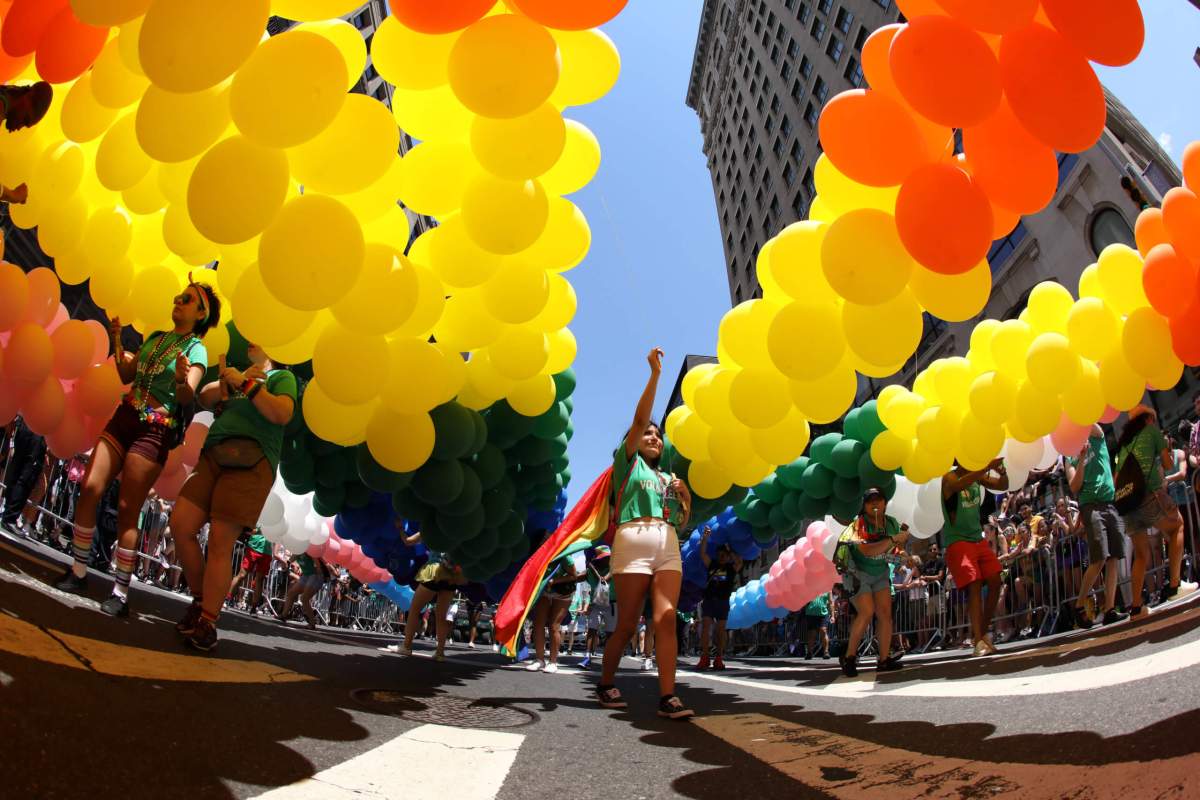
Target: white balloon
(830, 544)
(1023, 456)
(272, 510)
(315, 531)
(276, 532)
(903, 504)
(1016, 479)
(925, 524)
(929, 496)
(294, 545)
(1050, 456)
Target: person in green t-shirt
(817, 618)
(163, 377)
(312, 577)
(869, 580)
(1143, 440)
(1090, 478)
(231, 481)
(971, 561)
(648, 505)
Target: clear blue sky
(656, 272)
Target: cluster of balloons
(398, 593)
(802, 573)
(182, 134)
(54, 371)
(901, 224)
(725, 529)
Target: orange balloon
(1018, 172)
(1169, 281)
(43, 410)
(45, 293)
(946, 71)
(1149, 230)
(68, 47)
(849, 129)
(1191, 165)
(911, 9)
(1003, 17)
(1003, 221)
(98, 390)
(25, 23)
(1185, 333)
(11, 66)
(577, 15)
(426, 17)
(29, 356)
(875, 54)
(73, 349)
(1052, 89)
(1181, 216)
(944, 219)
(1112, 37)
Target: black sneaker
(1082, 620)
(849, 666)
(610, 697)
(115, 606)
(672, 708)
(1167, 593)
(1112, 616)
(72, 583)
(204, 637)
(891, 664)
(187, 625)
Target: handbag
(1130, 483)
(238, 452)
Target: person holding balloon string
(971, 561)
(231, 482)
(650, 506)
(437, 582)
(163, 375)
(868, 579)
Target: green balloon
(758, 511)
(434, 538)
(735, 495)
(812, 507)
(512, 529)
(777, 519)
(321, 448)
(298, 488)
(461, 527)
(889, 487)
(821, 450)
(845, 457)
(871, 475)
(545, 502)
(496, 507)
(850, 427)
(480, 432)
(559, 464)
(791, 506)
(409, 506)
(376, 477)
(763, 536)
(869, 424)
(328, 501)
(770, 491)
(476, 572)
(470, 496)
(552, 423)
(357, 495)
(565, 474)
(845, 510)
(489, 465)
(790, 475)
(817, 481)
(454, 431)
(496, 562)
(484, 543)
(564, 384)
(558, 447)
(295, 448)
(517, 552)
(790, 532)
(438, 482)
(300, 472)
(846, 489)
(506, 426)
(741, 510)
(570, 404)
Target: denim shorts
(867, 584)
(1154, 509)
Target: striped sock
(211, 616)
(124, 572)
(81, 543)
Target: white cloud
(1164, 139)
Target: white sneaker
(391, 648)
(1186, 587)
(647, 664)
(495, 648)
(552, 667)
(470, 645)
(535, 666)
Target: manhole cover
(445, 709)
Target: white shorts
(645, 547)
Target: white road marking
(426, 763)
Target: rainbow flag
(587, 522)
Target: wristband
(246, 386)
(253, 391)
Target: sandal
(610, 697)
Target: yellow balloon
(260, 317)
(83, 118)
(1049, 306)
(308, 10)
(1010, 344)
(743, 333)
(712, 399)
(1120, 271)
(216, 343)
(923, 466)
(827, 398)
(105, 13)
(145, 196)
(980, 351)
(519, 353)
(378, 200)
(352, 366)
(300, 349)
(183, 239)
(504, 217)
(563, 349)
(924, 386)
(110, 285)
(1146, 341)
(692, 379)
(1092, 328)
(887, 333)
(1167, 374)
(435, 177)
(173, 180)
(431, 115)
(120, 162)
(1051, 364)
(750, 471)
(954, 298)
(384, 296)
(783, 442)
(590, 67)
(334, 421)
(113, 84)
(127, 43)
(839, 194)
(992, 397)
(521, 147)
(72, 268)
(517, 292)
(400, 442)
(188, 47)
(1037, 412)
(560, 306)
(236, 190)
(730, 448)
(937, 430)
(890, 451)
(578, 164)
(900, 413)
(178, 127)
(872, 370)
(408, 59)
(60, 231)
(1083, 401)
(59, 170)
(820, 211)
(805, 339)
(290, 90)
(312, 253)
(107, 236)
(1089, 282)
(151, 298)
(347, 39)
(420, 377)
(533, 397)
(707, 479)
(863, 258)
(351, 153)
(457, 259)
(691, 436)
(391, 228)
(484, 380)
(504, 66)
(759, 397)
(430, 303)
(465, 323)
(1121, 386)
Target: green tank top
(967, 525)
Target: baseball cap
(874, 493)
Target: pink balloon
(316, 550)
(332, 547)
(776, 569)
(1110, 415)
(1069, 438)
(815, 529)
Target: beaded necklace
(167, 348)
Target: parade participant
(550, 610)
(256, 565)
(714, 609)
(230, 483)
(312, 577)
(971, 562)
(600, 606)
(163, 375)
(817, 619)
(437, 582)
(1089, 476)
(645, 551)
(868, 579)
(25, 106)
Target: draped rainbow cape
(585, 524)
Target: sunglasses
(186, 299)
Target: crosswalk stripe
(430, 762)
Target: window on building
(834, 49)
(799, 206)
(1109, 227)
(797, 151)
(808, 184)
(844, 20)
(729, 243)
(761, 105)
(737, 295)
(806, 67)
(758, 155)
(818, 29)
(797, 90)
(824, 6)
(775, 54)
(789, 4)
(789, 174)
(793, 49)
(776, 209)
(803, 13)
(884, 4)
(771, 19)
(362, 20)
(785, 126)
(758, 198)
(758, 69)
(758, 26)
(775, 103)
(777, 148)
(861, 39)
(810, 115)
(380, 92)
(753, 172)
(854, 73)
(821, 90)
(786, 70)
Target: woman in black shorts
(551, 608)
(436, 582)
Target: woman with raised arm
(163, 376)
(648, 505)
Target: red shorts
(971, 561)
(129, 433)
(253, 562)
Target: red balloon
(946, 71)
(444, 17)
(68, 48)
(1169, 280)
(1111, 33)
(576, 15)
(850, 129)
(1017, 172)
(11, 66)
(26, 22)
(944, 219)
(1181, 216)
(1052, 89)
